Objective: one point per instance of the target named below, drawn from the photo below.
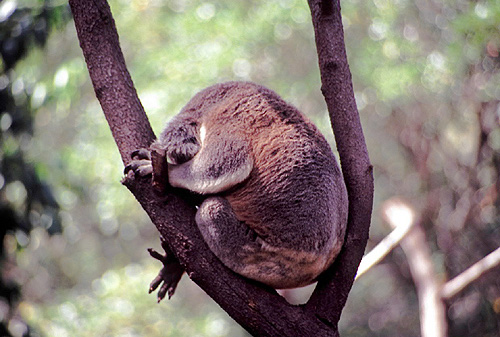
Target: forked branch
(257, 308)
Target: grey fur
(276, 205)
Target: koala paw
(183, 152)
(169, 275)
(140, 164)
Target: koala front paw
(177, 154)
(141, 163)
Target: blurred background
(72, 238)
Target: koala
(273, 204)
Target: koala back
(294, 196)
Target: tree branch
(478, 269)
(432, 308)
(383, 248)
(110, 78)
(329, 297)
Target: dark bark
(257, 308)
(330, 295)
(112, 83)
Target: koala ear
(223, 161)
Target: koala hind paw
(169, 275)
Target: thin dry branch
(383, 248)
(471, 274)
(431, 291)
(432, 308)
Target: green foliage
(26, 202)
(117, 305)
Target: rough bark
(330, 295)
(257, 308)
(110, 78)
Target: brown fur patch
(294, 198)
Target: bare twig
(430, 290)
(401, 217)
(383, 248)
(478, 269)
(432, 308)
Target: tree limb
(111, 80)
(383, 248)
(478, 269)
(432, 308)
(330, 296)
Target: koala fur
(275, 202)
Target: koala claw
(140, 164)
(141, 154)
(141, 167)
(169, 275)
